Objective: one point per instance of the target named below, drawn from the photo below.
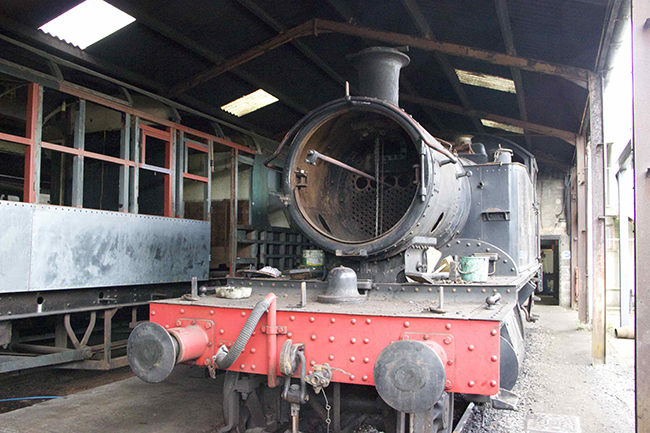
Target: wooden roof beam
(315, 27)
(196, 48)
(449, 71)
(567, 136)
(506, 31)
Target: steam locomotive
(431, 264)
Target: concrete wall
(550, 195)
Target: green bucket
(313, 259)
(474, 269)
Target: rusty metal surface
(641, 68)
(54, 248)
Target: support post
(170, 149)
(597, 171)
(125, 153)
(77, 160)
(581, 233)
(624, 200)
(181, 150)
(574, 238)
(641, 116)
(33, 131)
(134, 184)
(234, 187)
(207, 188)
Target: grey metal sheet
(88, 248)
(15, 245)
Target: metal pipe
(313, 156)
(625, 332)
(272, 341)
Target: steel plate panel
(351, 342)
(76, 248)
(15, 244)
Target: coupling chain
(328, 420)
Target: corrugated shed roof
(174, 41)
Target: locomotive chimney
(379, 72)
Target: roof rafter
(316, 27)
(267, 19)
(449, 71)
(506, 30)
(186, 42)
(567, 136)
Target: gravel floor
(557, 378)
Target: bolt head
(208, 325)
(242, 366)
(312, 319)
(447, 340)
(331, 357)
(494, 358)
(450, 362)
(209, 343)
(470, 347)
(353, 321)
(364, 378)
(493, 332)
(221, 331)
(312, 363)
(178, 323)
(448, 384)
(243, 313)
(253, 350)
(207, 361)
(493, 383)
(212, 312)
(289, 334)
(447, 326)
(352, 377)
(366, 360)
(366, 341)
(353, 340)
(368, 321)
(471, 383)
(331, 339)
(407, 324)
(153, 313)
(352, 359)
(426, 336)
(182, 310)
(333, 320)
(313, 336)
(292, 318)
(253, 367)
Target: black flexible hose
(226, 358)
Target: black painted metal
(341, 287)
(152, 352)
(409, 376)
(379, 69)
(434, 201)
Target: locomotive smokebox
(363, 179)
(379, 69)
